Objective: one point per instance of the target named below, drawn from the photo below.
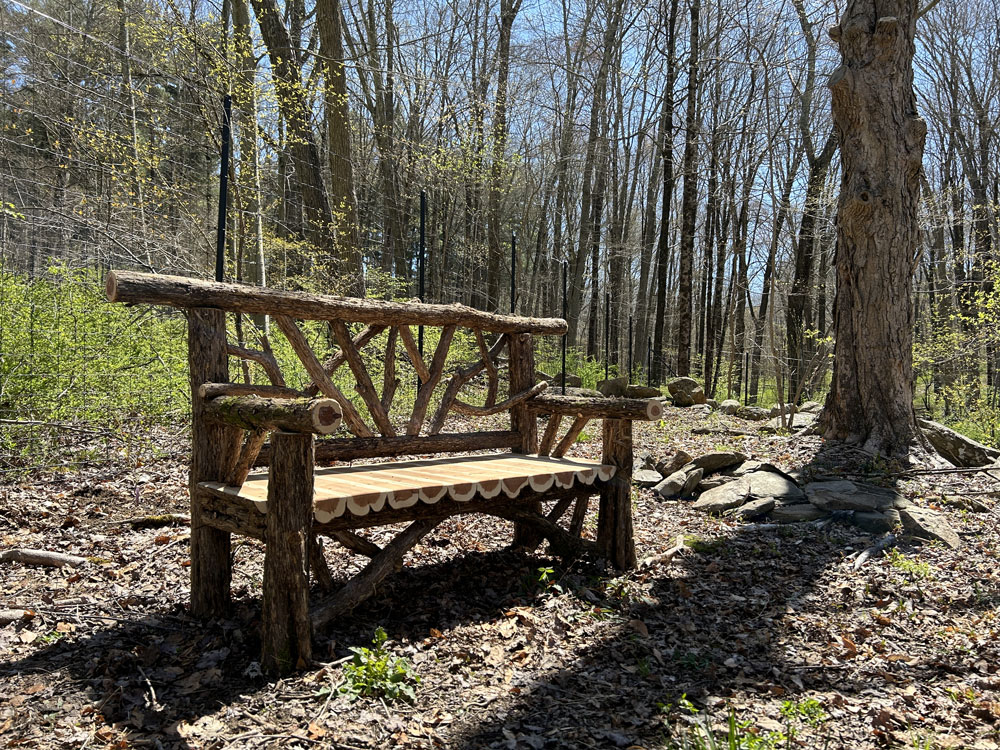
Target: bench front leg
(614, 520)
(286, 633)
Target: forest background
(675, 157)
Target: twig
(889, 540)
(41, 557)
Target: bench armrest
(639, 409)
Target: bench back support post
(522, 421)
(614, 520)
(286, 633)
(214, 450)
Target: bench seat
(368, 488)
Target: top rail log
(597, 408)
(131, 287)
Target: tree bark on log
(214, 453)
(570, 437)
(41, 557)
(320, 416)
(131, 287)
(286, 635)
(614, 521)
(881, 145)
(522, 377)
(645, 410)
(208, 391)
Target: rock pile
(727, 483)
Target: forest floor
(772, 627)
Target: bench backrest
(388, 331)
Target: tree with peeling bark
(881, 140)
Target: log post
(286, 635)
(614, 521)
(214, 450)
(522, 421)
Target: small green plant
(703, 546)
(809, 711)
(739, 735)
(376, 673)
(913, 568)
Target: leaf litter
(514, 650)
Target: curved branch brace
(363, 380)
(334, 362)
(484, 411)
(265, 359)
(463, 376)
(301, 347)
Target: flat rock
(729, 406)
(728, 496)
(613, 387)
(925, 523)
(679, 459)
(647, 462)
(702, 409)
(712, 402)
(753, 509)
(712, 482)
(811, 407)
(646, 477)
(753, 413)
(796, 513)
(634, 390)
(718, 460)
(778, 486)
(845, 495)
(956, 447)
(751, 466)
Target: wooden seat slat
(369, 488)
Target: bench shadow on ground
(726, 617)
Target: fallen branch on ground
(41, 557)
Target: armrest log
(644, 410)
(319, 416)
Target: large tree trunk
(881, 144)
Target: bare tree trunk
(689, 203)
(881, 144)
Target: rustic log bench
(292, 502)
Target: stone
(796, 513)
(572, 381)
(712, 482)
(753, 509)
(647, 462)
(718, 460)
(712, 402)
(679, 459)
(701, 409)
(693, 478)
(845, 495)
(749, 467)
(729, 406)
(925, 523)
(728, 496)
(634, 390)
(874, 522)
(671, 487)
(810, 407)
(956, 447)
(686, 392)
(613, 387)
(646, 477)
(778, 486)
(776, 409)
(753, 413)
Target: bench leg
(614, 520)
(286, 634)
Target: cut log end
(654, 409)
(111, 287)
(326, 416)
